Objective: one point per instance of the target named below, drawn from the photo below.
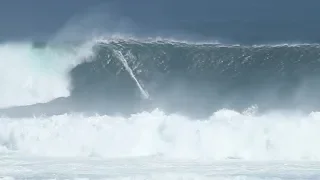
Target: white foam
(226, 134)
(29, 75)
(163, 40)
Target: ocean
(155, 107)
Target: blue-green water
(193, 79)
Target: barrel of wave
(30, 75)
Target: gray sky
(21, 19)
(246, 20)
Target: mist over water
(163, 90)
(163, 93)
(30, 75)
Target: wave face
(30, 74)
(163, 98)
(223, 136)
(198, 78)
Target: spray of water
(120, 56)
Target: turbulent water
(159, 109)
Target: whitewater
(154, 145)
(32, 75)
(147, 144)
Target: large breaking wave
(128, 76)
(201, 93)
(199, 78)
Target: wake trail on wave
(125, 64)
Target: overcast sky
(242, 19)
